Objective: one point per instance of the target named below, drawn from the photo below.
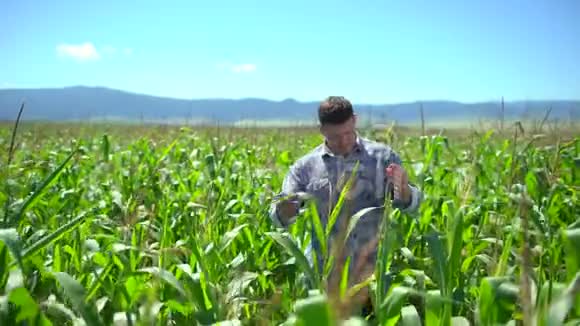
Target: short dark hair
(335, 110)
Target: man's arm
(416, 199)
(281, 212)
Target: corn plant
(161, 225)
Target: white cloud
(79, 52)
(245, 67)
(88, 52)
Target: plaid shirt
(318, 173)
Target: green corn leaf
(459, 321)
(46, 240)
(314, 310)
(572, 257)
(58, 310)
(410, 316)
(164, 275)
(318, 228)
(15, 280)
(28, 310)
(394, 303)
(503, 260)
(12, 241)
(433, 307)
(341, 201)
(494, 299)
(198, 291)
(563, 305)
(455, 244)
(229, 236)
(385, 251)
(283, 240)
(238, 285)
(440, 261)
(344, 280)
(228, 323)
(75, 293)
(31, 200)
(356, 217)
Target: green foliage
(170, 226)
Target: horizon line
(418, 102)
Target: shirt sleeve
(416, 193)
(293, 183)
(416, 199)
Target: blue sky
(369, 51)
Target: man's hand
(400, 180)
(287, 209)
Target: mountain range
(98, 103)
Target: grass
(166, 225)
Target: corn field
(127, 225)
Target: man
(322, 172)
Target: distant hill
(83, 103)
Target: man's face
(340, 138)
